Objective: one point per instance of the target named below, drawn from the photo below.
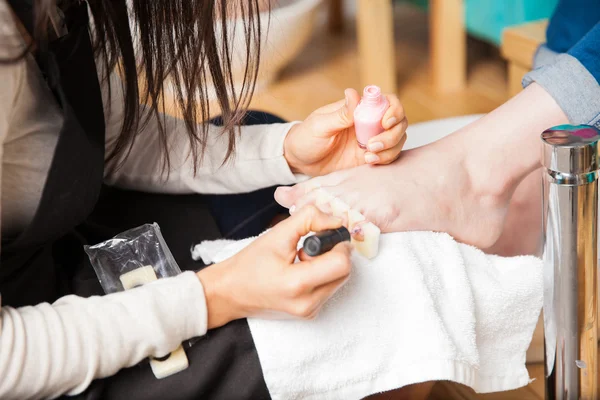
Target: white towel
(426, 308)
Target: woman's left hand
(326, 141)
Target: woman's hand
(461, 184)
(326, 141)
(263, 277)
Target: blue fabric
(587, 51)
(568, 65)
(239, 216)
(570, 22)
(574, 29)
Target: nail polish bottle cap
(372, 95)
(324, 241)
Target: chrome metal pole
(570, 157)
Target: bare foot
(522, 231)
(428, 188)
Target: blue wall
(487, 18)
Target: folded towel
(426, 308)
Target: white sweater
(48, 350)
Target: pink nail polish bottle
(368, 115)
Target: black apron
(46, 261)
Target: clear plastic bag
(134, 258)
(129, 251)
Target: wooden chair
(519, 44)
(448, 36)
(375, 29)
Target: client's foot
(428, 188)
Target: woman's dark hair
(186, 41)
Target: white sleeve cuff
(191, 308)
(277, 169)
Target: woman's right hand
(263, 278)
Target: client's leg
(521, 234)
(239, 216)
(522, 227)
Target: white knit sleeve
(48, 350)
(258, 161)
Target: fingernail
(391, 122)
(346, 97)
(292, 209)
(375, 146)
(284, 189)
(357, 233)
(371, 158)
